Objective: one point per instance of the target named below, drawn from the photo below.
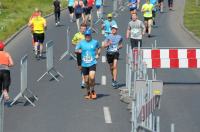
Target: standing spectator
(57, 6)
(71, 9)
(5, 62)
(135, 31)
(39, 25)
(78, 8)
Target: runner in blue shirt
(155, 4)
(113, 43)
(99, 6)
(133, 5)
(71, 9)
(90, 51)
(106, 26)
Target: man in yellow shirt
(39, 25)
(75, 40)
(147, 9)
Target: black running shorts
(135, 42)
(5, 79)
(111, 56)
(71, 9)
(38, 37)
(79, 60)
(86, 70)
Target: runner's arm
(143, 28)
(78, 48)
(128, 32)
(11, 63)
(120, 45)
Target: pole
(172, 128)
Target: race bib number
(135, 32)
(88, 58)
(133, 5)
(114, 48)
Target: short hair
(83, 25)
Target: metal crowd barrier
(24, 83)
(144, 94)
(1, 113)
(49, 63)
(68, 47)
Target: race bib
(135, 32)
(88, 58)
(114, 48)
(133, 5)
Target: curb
(24, 27)
(186, 30)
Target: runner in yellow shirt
(147, 9)
(75, 40)
(39, 25)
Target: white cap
(114, 26)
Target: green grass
(15, 13)
(192, 17)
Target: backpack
(78, 9)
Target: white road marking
(107, 115)
(103, 59)
(103, 80)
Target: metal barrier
(24, 83)
(114, 12)
(68, 47)
(49, 63)
(1, 113)
(144, 94)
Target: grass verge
(15, 13)
(192, 17)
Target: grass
(15, 13)
(192, 17)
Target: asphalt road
(61, 106)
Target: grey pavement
(61, 106)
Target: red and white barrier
(171, 58)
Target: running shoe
(82, 85)
(93, 95)
(88, 96)
(115, 84)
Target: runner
(161, 5)
(147, 9)
(135, 31)
(57, 7)
(106, 26)
(78, 8)
(113, 43)
(90, 51)
(88, 7)
(35, 14)
(71, 10)
(154, 3)
(99, 6)
(170, 4)
(76, 39)
(39, 26)
(5, 62)
(134, 5)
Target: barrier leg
(29, 100)
(58, 73)
(16, 98)
(53, 76)
(33, 94)
(42, 76)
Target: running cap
(88, 32)
(2, 45)
(114, 26)
(109, 15)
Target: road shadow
(102, 95)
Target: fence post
(158, 124)
(115, 8)
(49, 62)
(1, 113)
(68, 47)
(172, 128)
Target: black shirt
(56, 5)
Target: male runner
(113, 43)
(90, 51)
(106, 26)
(135, 31)
(75, 40)
(39, 25)
(147, 9)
